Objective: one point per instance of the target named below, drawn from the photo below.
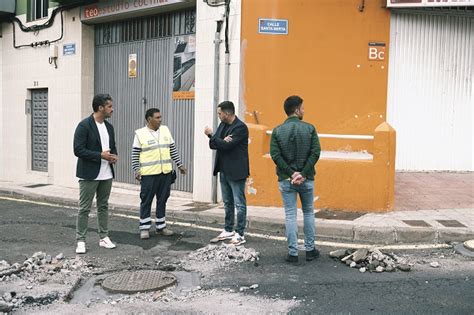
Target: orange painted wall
(324, 59)
(350, 185)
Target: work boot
(165, 232)
(144, 234)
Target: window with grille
(143, 28)
(37, 9)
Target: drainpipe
(217, 42)
(226, 76)
(226, 60)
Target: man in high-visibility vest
(152, 153)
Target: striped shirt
(136, 150)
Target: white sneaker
(107, 243)
(81, 247)
(225, 235)
(237, 239)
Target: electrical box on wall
(53, 51)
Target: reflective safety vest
(155, 157)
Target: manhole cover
(138, 281)
(469, 245)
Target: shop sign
(273, 26)
(428, 3)
(376, 51)
(118, 7)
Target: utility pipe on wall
(226, 59)
(217, 43)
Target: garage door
(430, 95)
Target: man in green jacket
(295, 149)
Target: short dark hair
(227, 106)
(292, 103)
(100, 100)
(150, 112)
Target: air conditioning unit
(7, 7)
(215, 2)
(79, 2)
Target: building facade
(360, 66)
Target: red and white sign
(107, 8)
(428, 3)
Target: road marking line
(258, 235)
(38, 203)
(320, 243)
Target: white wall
(205, 32)
(2, 148)
(69, 93)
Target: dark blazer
(234, 155)
(87, 147)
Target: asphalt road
(323, 286)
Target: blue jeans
(233, 195)
(289, 193)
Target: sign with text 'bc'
(376, 51)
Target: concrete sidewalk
(409, 225)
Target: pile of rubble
(38, 267)
(37, 271)
(372, 260)
(213, 257)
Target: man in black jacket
(232, 162)
(94, 145)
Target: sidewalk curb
(325, 230)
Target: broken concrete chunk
(404, 267)
(360, 255)
(340, 253)
(435, 264)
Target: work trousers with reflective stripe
(151, 186)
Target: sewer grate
(338, 215)
(419, 223)
(37, 185)
(138, 281)
(452, 223)
(198, 206)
